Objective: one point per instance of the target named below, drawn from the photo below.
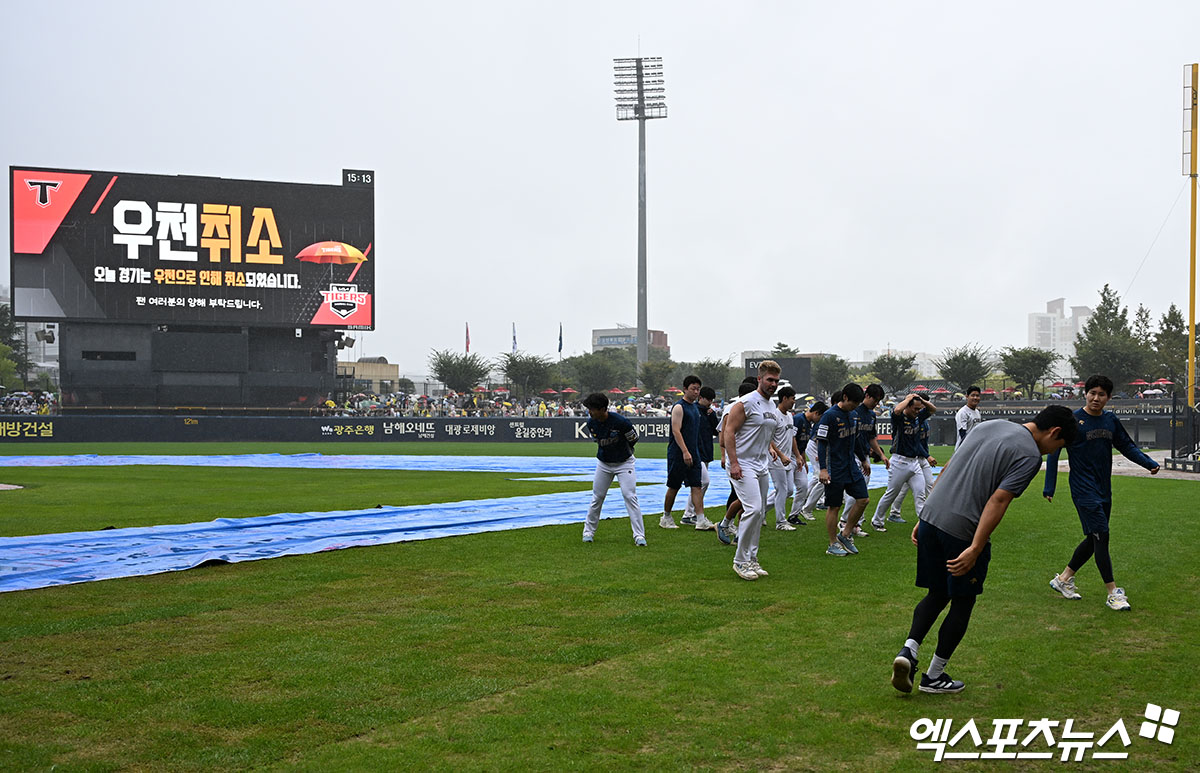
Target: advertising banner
(114, 246)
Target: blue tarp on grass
(44, 560)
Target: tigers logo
(344, 300)
(43, 187)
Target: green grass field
(528, 650)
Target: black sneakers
(942, 684)
(903, 668)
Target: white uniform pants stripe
(752, 493)
(627, 479)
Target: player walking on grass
(842, 469)
(708, 430)
(928, 462)
(615, 438)
(786, 457)
(683, 456)
(1090, 478)
(992, 467)
(726, 530)
(905, 467)
(805, 422)
(748, 430)
(867, 446)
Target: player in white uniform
(968, 416)
(786, 458)
(748, 430)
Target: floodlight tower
(1191, 79)
(640, 97)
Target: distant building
(1056, 332)
(622, 336)
(371, 374)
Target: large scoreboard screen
(113, 246)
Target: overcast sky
(838, 176)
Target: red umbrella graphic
(333, 253)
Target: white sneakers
(1117, 601)
(745, 571)
(667, 522)
(1065, 587)
(784, 526)
(749, 570)
(703, 524)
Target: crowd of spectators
(29, 403)
(479, 405)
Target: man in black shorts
(991, 468)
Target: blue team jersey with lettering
(804, 429)
(837, 434)
(906, 433)
(923, 436)
(866, 430)
(689, 428)
(1091, 457)
(615, 437)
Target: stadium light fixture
(641, 96)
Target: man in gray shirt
(990, 469)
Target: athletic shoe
(836, 550)
(1066, 588)
(1117, 601)
(808, 516)
(687, 520)
(745, 571)
(796, 520)
(893, 518)
(820, 505)
(903, 668)
(942, 684)
(639, 541)
(667, 522)
(703, 524)
(877, 526)
(860, 532)
(758, 569)
(725, 534)
(587, 538)
(848, 544)
(784, 526)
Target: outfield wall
(1147, 430)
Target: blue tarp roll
(44, 560)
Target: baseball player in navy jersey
(905, 467)
(683, 453)
(615, 438)
(805, 423)
(867, 444)
(708, 430)
(928, 462)
(842, 469)
(1090, 477)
